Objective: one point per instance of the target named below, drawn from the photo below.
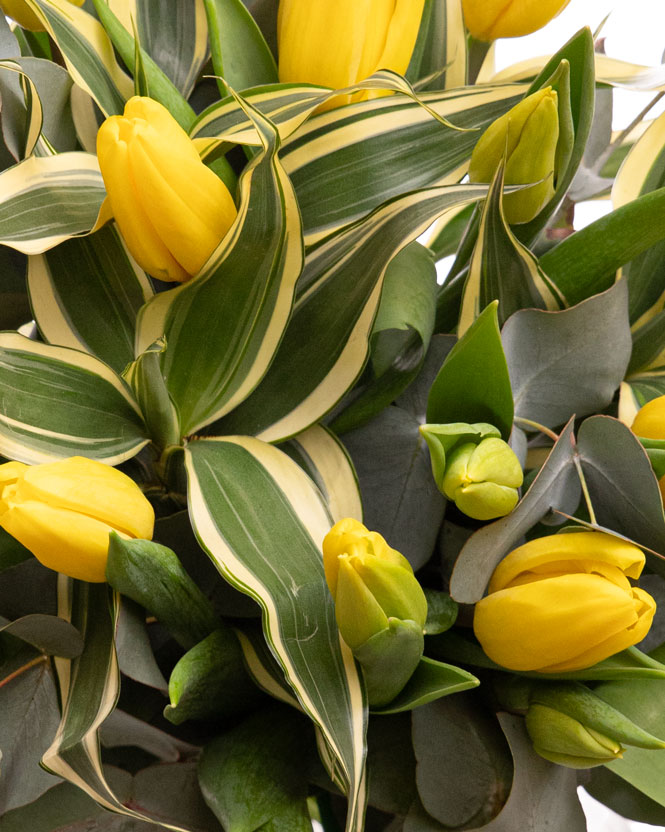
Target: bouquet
(291, 532)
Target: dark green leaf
(123, 729)
(210, 681)
(30, 716)
(624, 491)
(622, 798)
(152, 575)
(556, 486)
(391, 765)
(564, 363)
(49, 634)
(240, 54)
(473, 385)
(135, 656)
(441, 612)
(253, 772)
(430, 681)
(463, 768)
(400, 498)
(11, 551)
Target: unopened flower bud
(527, 135)
(561, 739)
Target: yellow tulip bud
(64, 511)
(171, 209)
(483, 479)
(527, 134)
(370, 582)
(563, 603)
(19, 11)
(563, 740)
(491, 19)
(649, 422)
(337, 44)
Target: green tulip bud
(379, 605)
(561, 739)
(474, 468)
(527, 135)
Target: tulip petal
(396, 589)
(63, 540)
(358, 615)
(575, 546)
(190, 208)
(135, 226)
(486, 500)
(650, 420)
(544, 624)
(89, 488)
(401, 37)
(493, 460)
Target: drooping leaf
(563, 363)
(262, 521)
(87, 51)
(473, 385)
(90, 410)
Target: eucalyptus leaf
(135, 656)
(30, 717)
(123, 729)
(473, 385)
(391, 764)
(464, 768)
(400, 498)
(563, 363)
(622, 485)
(49, 634)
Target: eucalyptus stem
(529, 423)
(585, 491)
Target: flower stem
(585, 491)
(528, 423)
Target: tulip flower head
(171, 209)
(337, 44)
(650, 420)
(564, 602)
(370, 582)
(528, 135)
(491, 19)
(64, 511)
(561, 739)
(19, 11)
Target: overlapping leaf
(262, 521)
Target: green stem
(529, 423)
(585, 491)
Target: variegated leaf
(45, 200)
(87, 51)
(325, 345)
(89, 689)
(262, 521)
(58, 402)
(241, 300)
(86, 294)
(323, 457)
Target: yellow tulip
(170, 208)
(337, 44)
(491, 19)
(650, 420)
(528, 135)
(19, 11)
(64, 511)
(563, 603)
(370, 583)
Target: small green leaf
(473, 385)
(430, 680)
(441, 612)
(152, 575)
(49, 634)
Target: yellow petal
(396, 589)
(358, 614)
(62, 540)
(91, 488)
(544, 624)
(11, 471)
(491, 19)
(650, 420)
(133, 221)
(576, 546)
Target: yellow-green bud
(528, 135)
(483, 479)
(370, 582)
(561, 739)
